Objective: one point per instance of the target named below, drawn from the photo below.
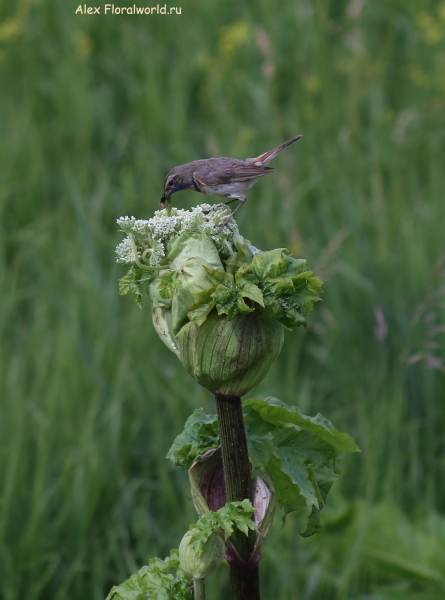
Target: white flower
(152, 237)
(124, 251)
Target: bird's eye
(170, 182)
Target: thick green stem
(199, 589)
(238, 483)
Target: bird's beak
(165, 198)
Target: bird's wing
(222, 171)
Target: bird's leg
(242, 198)
(232, 200)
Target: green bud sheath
(230, 357)
(199, 565)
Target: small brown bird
(221, 176)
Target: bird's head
(174, 182)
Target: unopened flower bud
(200, 564)
(230, 357)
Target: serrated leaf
(223, 521)
(313, 524)
(243, 255)
(288, 288)
(200, 435)
(270, 264)
(297, 268)
(169, 284)
(260, 437)
(249, 290)
(229, 293)
(131, 283)
(287, 492)
(156, 582)
(203, 306)
(302, 455)
(220, 277)
(285, 309)
(299, 452)
(276, 411)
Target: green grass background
(94, 110)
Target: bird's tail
(264, 159)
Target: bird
(221, 176)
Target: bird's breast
(186, 185)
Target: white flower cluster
(158, 231)
(124, 251)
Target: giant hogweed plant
(221, 305)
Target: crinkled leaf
(200, 435)
(230, 291)
(275, 411)
(287, 285)
(223, 521)
(313, 524)
(280, 284)
(134, 282)
(300, 453)
(269, 264)
(203, 306)
(243, 255)
(287, 492)
(300, 463)
(284, 309)
(156, 582)
(169, 284)
(260, 437)
(220, 277)
(249, 290)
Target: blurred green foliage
(94, 110)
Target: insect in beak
(164, 200)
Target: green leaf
(194, 296)
(301, 454)
(313, 524)
(135, 282)
(260, 437)
(182, 301)
(270, 264)
(169, 284)
(285, 309)
(249, 290)
(243, 255)
(200, 435)
(203, 306)
(288, 288)
(287, 492)
(158, 298)
(156, 582)
(230, 291)
(223, 521)
(277, 412)
(192, 245)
